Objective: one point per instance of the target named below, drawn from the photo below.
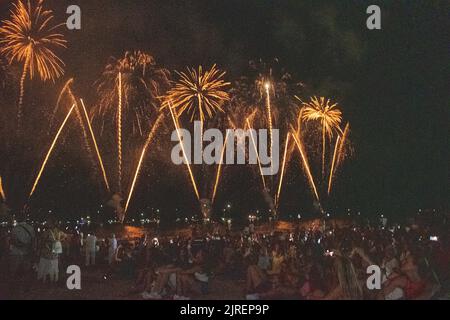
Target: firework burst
(199, 93)
(327, 115)
(29, 37)
(129, 89)
(133, 82)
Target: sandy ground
(94, 287)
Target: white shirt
(113, 244)
(91, 243)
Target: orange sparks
(144, 149)
(51, 149)
(119, 132)
(332, 164)
(257, 154)
(283, 167)
(341, 145)
(338, 154)
(269, 115)
(95, 145)
(305, 163)
(2, 192)
(198, 92)
(219, 168)
(175, 122)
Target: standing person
(91, 248)
(75, 248)
(22, 244)
(51, 248)
(112, 247)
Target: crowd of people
(323, 263)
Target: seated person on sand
(313, 287)
(165, 276)
(407, 278)
(257, 282)
(123, 263)
(348, 285)
(188, 273)
(277, 262)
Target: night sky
(391, 84)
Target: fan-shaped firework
(142, 81)
(327, 114)
(198, 92)
(135, 81)
(29, 37)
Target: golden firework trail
(327, 114)
(305, 163)
(144, 150)
(51, 149)
(341, 145)
(257, 155)
(2, 191)
(338, 154)
(269, 115)
(119, 133)
(29, 37)
(175, 122)
(282, 168)
(67, 88)
(332, 164)
(142, 83)
(95, 145)
(219, 168)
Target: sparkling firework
(129, 89)
(333, 164)
(286, 146)
(2, 191)
(199, 93)
(177, 128)
(67, 89)
(143, 81)
(119, 134)
(269, 116)
(257, 155)
(219, 168)
(144, 150)
(339, 153)
(95, 145)
(300, 148)
(30, 38)
(326, 113)
(52, 146)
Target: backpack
(29, 247)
